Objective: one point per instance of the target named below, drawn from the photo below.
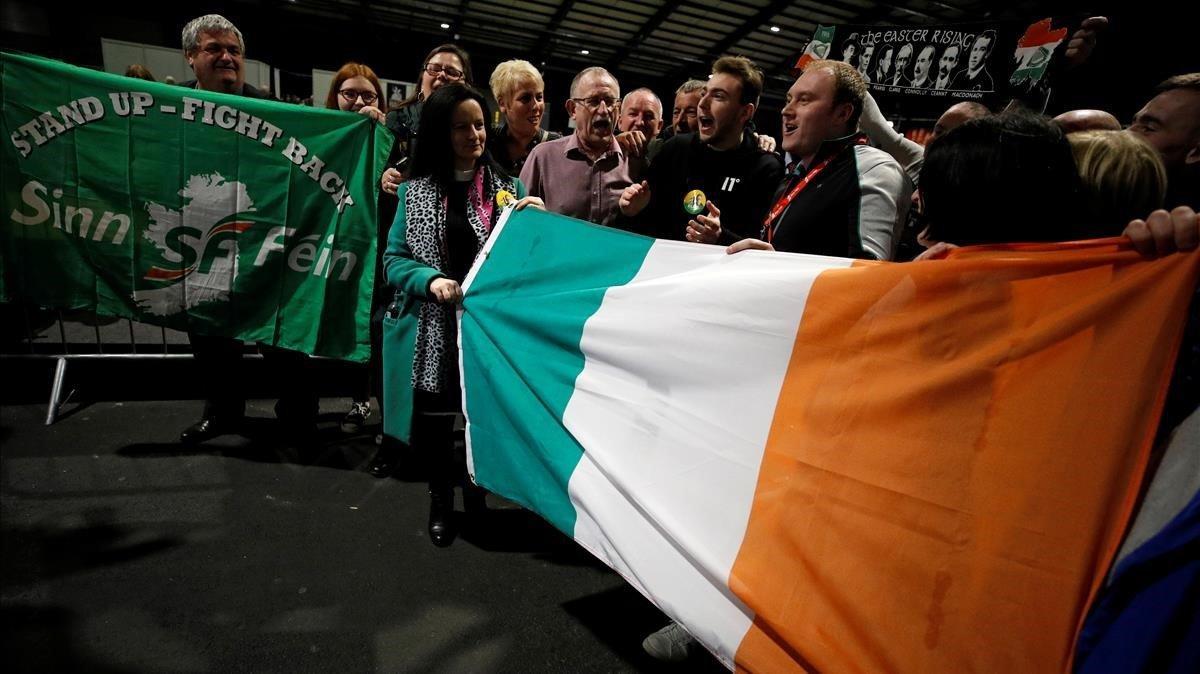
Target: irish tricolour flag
(818, 464)
(1034, 50)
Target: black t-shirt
(461, 244)
(739, 181)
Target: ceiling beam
(652, 24)
(751, 24)
(548, 33)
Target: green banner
(199, 211)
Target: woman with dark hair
(1001, 179)
(446, 212)
(446, 64)
(355, 88)
(850, 49)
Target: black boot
(441, 510)
(387, 458)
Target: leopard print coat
(434, 360)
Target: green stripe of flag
(522, 324)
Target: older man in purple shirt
(583, 174)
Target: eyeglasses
(593, 104)
(351, 95)
(450, 72)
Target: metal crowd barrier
(39, 344)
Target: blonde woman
(520, 93)
(1123, 178)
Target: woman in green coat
(446, 212)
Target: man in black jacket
(719, 169)
(214, 49)
(842, 198)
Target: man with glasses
(583, 174)
(213, 47)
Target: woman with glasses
(355, 88)
(446, 212)
(520, 93)
(447, 63)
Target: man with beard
(976, 77)
(946, 66)
(583, 174)
(921, 67)
(215, 51)
(720, 169)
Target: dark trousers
(433, 437)
(223, 377)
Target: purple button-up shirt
(570, 183)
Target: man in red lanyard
(842, 198)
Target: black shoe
(206, 429)
(441, 509)
(384, 463)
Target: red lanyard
(786, 200)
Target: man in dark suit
(976, 77)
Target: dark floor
(126, 552)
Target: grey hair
(690, 86)
(644, 90)
(209, 23)
(595, 71)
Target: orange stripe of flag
(956, 451)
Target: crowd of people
(840, 181)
